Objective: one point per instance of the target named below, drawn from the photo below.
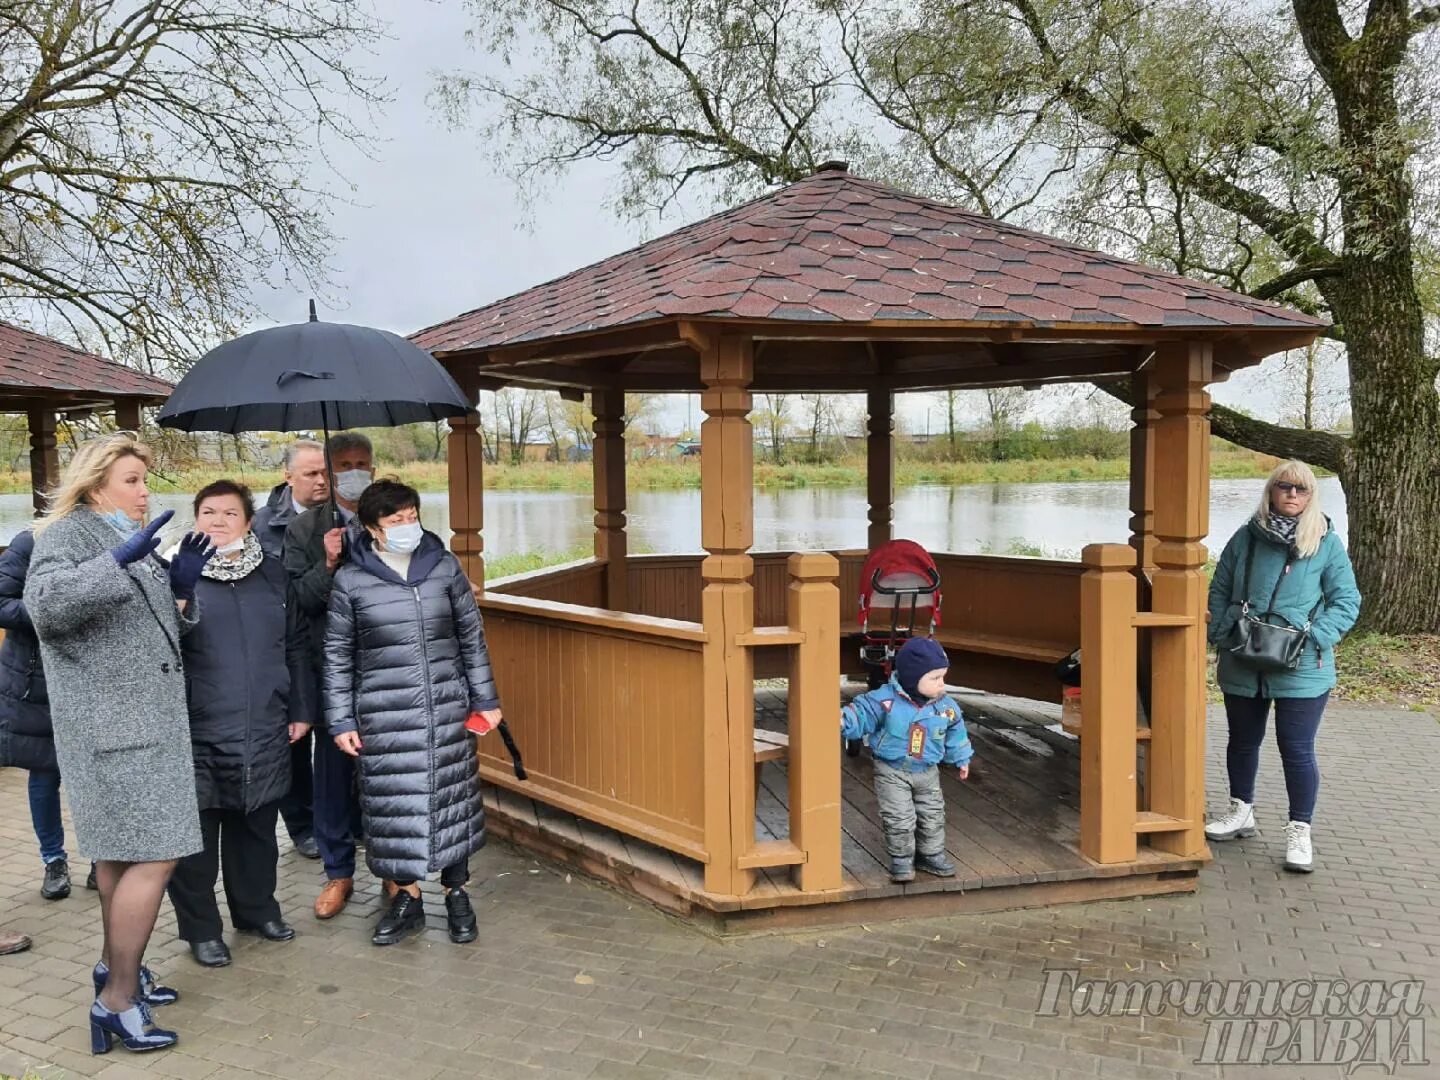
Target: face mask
(232, 547)
(403, 539)
(121, 522)
(351, 483)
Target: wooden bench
(769, 746)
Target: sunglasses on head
(1292, 489)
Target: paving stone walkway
(570, 980)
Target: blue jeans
(45, 814)
(1296, 722)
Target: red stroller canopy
(893, 558)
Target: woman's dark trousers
(1296, 722)
(242, 849)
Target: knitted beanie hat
(917, 658)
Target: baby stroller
(899, 599)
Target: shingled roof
(33, 366)
(836, 248)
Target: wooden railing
(1006, 621)
(580, 582)
(607, 711)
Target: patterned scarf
(1283, 528)
(222, 569)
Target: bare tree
(1004, 409)
(773, 421)
(518, 413)
(154, 155)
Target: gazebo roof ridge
(838, 248)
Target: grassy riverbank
(684, 473)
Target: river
(1054, 519)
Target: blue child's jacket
(886, 715)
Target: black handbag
(1259, 643)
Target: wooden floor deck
(1012, 831)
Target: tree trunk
(1391, 474)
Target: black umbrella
(316, 375)
(313, 375)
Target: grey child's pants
(910, 802)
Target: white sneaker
(1298, 854)
(1239, 821)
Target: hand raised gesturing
(141, 543)
(195, 551)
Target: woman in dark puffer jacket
(27, 739)
(246, 689)
(405, 667)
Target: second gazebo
(839, 284)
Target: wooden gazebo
(630, 680)
(45, 379)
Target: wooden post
(1142, 530)
(1107, 704)
(880, 466)
(727, 482)
(466, 453)
(1176, 761)
(127, 415)
(1142, 480)
(608, 462)
(813, 608)
(44, 456)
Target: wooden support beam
(727, 483)
(1142, 477)
(608, 463)
(44, 457)
(127, 415)
(1107, 704)
(813, 608)
(880, 466)
(1176, 765)
(466, 453)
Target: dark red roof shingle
(836, 247)
(33, 362)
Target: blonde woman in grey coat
(109, 616)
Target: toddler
(913, 728)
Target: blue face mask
(403, 539)
(121, 522)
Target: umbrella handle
(295, 373)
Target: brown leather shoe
(333, 897)
(11, 942)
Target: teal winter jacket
(886, 715)
(1324, 583)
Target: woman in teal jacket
(1286, 561)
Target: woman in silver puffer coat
(405, 668)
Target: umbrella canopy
(313, 375)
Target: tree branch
(1322, 448)
(1283, 283)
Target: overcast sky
(435, 230)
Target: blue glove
(195, 551)
(142, 543)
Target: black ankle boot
(460, 916)
(406, 913)
(56, 885)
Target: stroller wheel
(852, 747)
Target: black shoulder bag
(1264, 645)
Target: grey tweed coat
(110, 642)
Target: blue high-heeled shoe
(151, 992)
(135, 1028)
